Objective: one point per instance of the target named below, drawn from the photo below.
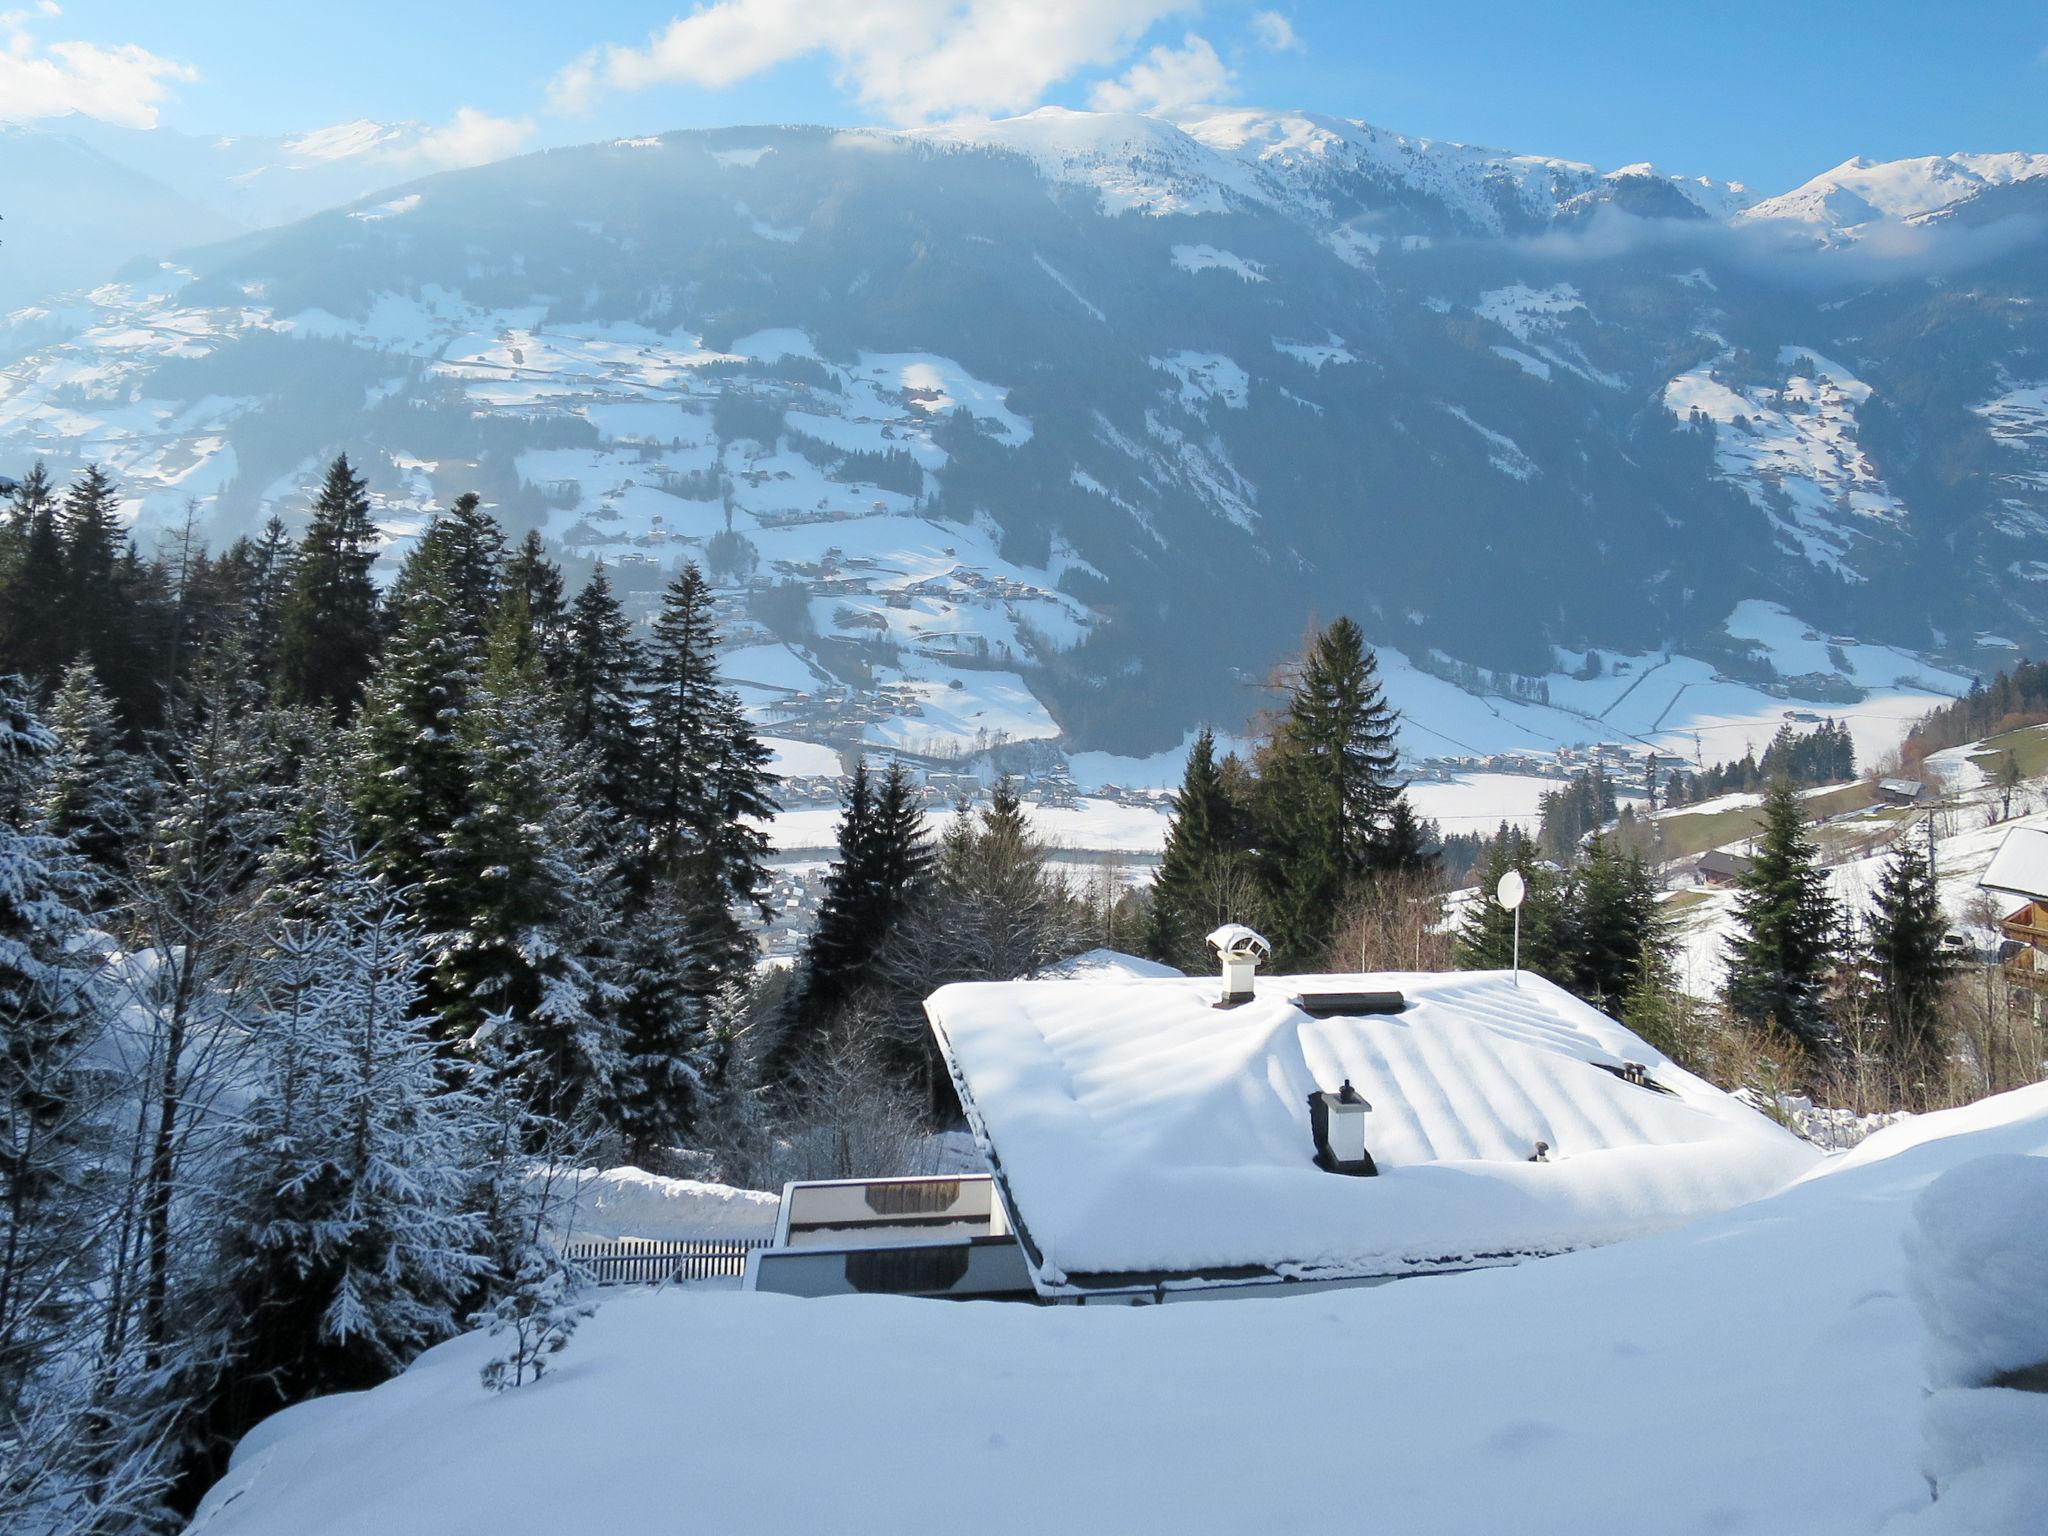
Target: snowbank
(1758, 1371)
(630, 1202)
(1979, 1250)
(1978, 1257)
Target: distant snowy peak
(1859, 191)
(1324, 170)
(1138, 164)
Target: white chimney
(1240, 950)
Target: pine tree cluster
(1283, 841)
(1805, 759)
(394, 901)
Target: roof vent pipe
(1240, 950)
(1337, 1122)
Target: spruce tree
(1328, 790)
(682, 684)
(1912, 964)
(410, 764)
(52, 1015)
(523, 1182)
(706, 783)
(663, 1088)
(601, 708)
(1615, 921)
(473, 561)
(1408, 844)
(328, 617)
(111, 600)
(538, 581)
(34, 627)
(95, 793)
(352, 1244)
(538, 904)
(884, 867)
(1203, 877)
(1780, 957)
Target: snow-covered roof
(1143, 1136)
(2021, 864)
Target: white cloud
(473, 138)
(470, 137)
(907, 60)
(1167, 80)
(123, 84)
(1275, 33)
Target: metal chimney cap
(1234, 941)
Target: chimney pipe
(1240, 950)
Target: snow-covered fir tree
(539, 899)
(94, 792)
(352, 1242)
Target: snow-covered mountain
(1859, 193)
(1062, 425)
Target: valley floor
(1760, 1371)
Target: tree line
(1824, 755)
(2010, 700)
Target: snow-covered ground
(1765, 1370)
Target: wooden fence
(638, 1261)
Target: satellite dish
(1511, 890)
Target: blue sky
(1767, 94)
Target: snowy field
(1761, 1371)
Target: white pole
(1518, 944)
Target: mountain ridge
(1482, 404)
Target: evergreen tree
(884, 866)
(352, 1242)
(538, 907)
(472, 547)
(523, 1164)
(682, 685)
(1204, 876)
(706, 783)
(665, 1086)
(538, 581)
(94, 793)
(1778, 961)
(1408, 845)
(52, 1013)
(1913, 966)
(34, 628)
(411, 768)
(264, 573)
(1327, 782)
(1617, 931)
(601, 712)
(328, 620)
(111, 601)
